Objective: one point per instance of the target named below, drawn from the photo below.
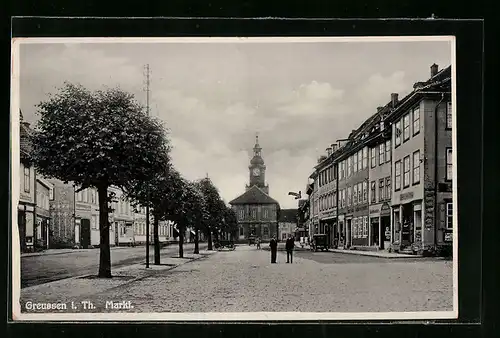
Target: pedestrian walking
(290, 245)
(258, 243)
(273, 244)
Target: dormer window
(381, 125)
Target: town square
(235, 177)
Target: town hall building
(257, 212)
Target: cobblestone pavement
(244, 281)
(343, 258)
(41, 269)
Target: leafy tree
(215, 208)
(200, 215)
(162, 194)
(231, 223)
(98, 139)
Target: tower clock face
(256, 172)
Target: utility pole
(147, 186)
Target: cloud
(213, 98)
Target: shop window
(416, 167)
(416, 120)
(449, 116)
(27, 176)
(449, 164)
(406, 127)
(397, 133)
(266, 231)
(397, 175)
(373, 157)
(360, 227)
(406, 172)
(365, 226)
(373, 192)
(355, 228)
(449, 216)
(387, 151)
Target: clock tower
(257, 169)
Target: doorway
(407, 231)
(85, 233)
(385, 231)
(375, 232)
(21, 221)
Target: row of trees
(106, 138)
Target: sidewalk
(63, 251)
(87, 286)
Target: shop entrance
(385, 231)
(375, 232)
(348, 232)
(407, 231)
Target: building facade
(422, 205)
(287, 223)
(256, 211)
(44, 191)
(327, 197)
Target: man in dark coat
(273, 244)
(290, 245)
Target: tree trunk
(181, 242)
(156, 239)
(209, 239)
(196, 242)
(104, 225)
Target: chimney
(328, 151)
(394, 99)
(334, 147)
(434, 70)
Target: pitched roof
(254, 196)
(288, 215)
(24, 142)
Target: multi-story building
(327, 196)
(355, 153)
(257, 212)
(302, 230)
(422, 166)
(122, 218)
(287, 223)
(379, 175)
(314, 205)
(26, 207)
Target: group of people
(289, 246)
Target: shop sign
(406, 196)
(448, 236)
(375, 210)
(385, 210)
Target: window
(449, 164)
(254, 213)
(349, 166)
(343, 198)
(397, 175)
(360, 160)
(373, 192)
(387, 151)
(355, 227)
(360, 227)
(381, 194)
(365, 158)
(449, 215)
(416, 167)
(242, 231)
(381, 152)
(406, 171)
(342, 169)
(416, 120)
(241, 213)
(449, 116)
(51, 194)
(360, 193)
(406, 127)
(355, 163)
(266, 213)
(388, 187)
(373, 160)
(365, 226)
(397, 133)
(27, 179)
(365, 191)
(355, 198)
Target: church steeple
(257, 168)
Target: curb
(362, 253)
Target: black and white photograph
(242, 179)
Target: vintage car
(319, 241)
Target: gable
(253, 196)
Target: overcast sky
(299, 97)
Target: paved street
(243, 280)
(41, 269)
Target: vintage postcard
(234, 179)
